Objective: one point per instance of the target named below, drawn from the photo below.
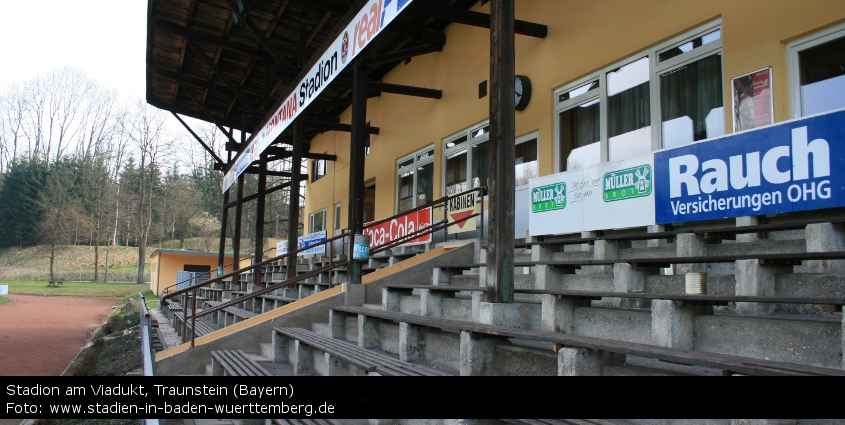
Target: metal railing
(443, 225)
(146, 336)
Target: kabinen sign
(798, 165)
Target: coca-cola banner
(399, 227)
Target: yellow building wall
(584, 36)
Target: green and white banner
(612, 195)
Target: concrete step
(372, 306)
(758, 247)
(511, 360)
(322, 328)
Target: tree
(20, 212)
(145, 129)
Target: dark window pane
(480, 164)
(425, 181)
(693, 91)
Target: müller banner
(368, 22)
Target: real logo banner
(797, 165)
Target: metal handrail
(146, 336)
(434, 227)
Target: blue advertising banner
(797, 165)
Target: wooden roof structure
(231, 62)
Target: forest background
(86, 174)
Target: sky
(105, 39)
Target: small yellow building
(165, 263)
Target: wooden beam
(396, 88)
(357, 155)
(402, 55)
(476, 19)
(501, 180)
(187, 127)
(335, 126)
(232, 86)
(274, 53)
(205, 111)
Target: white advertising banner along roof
(369, 22)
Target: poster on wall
(752, 100)
(796, 165)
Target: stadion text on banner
(369, 22)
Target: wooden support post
(224, 223)
(259, 217)
(236, 237)
(357, 153)
(293, 208)
(500, 253)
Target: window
(318, 169)
(336, 216)
(817, 72)
(526, 159)
(608, 115)
(467, 163)
(691, 96)
(416, 180)
(317, 221)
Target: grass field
(77, 289)
(4, 300)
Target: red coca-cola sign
(399, 227)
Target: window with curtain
(609, 115)
(629, 110)
(579, 124)
(415, 180)
(692, 93)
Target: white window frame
(412, 168)
(655, 69)
(311, 216)
(315, 168)
(467, 144)
(793, 65)
(337, 210)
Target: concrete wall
(583, 36)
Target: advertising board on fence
(4, 289)
(612, 195)
(798, 165)
(399, 227)
(303, 242)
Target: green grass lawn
(77, 289)
(4, 300)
